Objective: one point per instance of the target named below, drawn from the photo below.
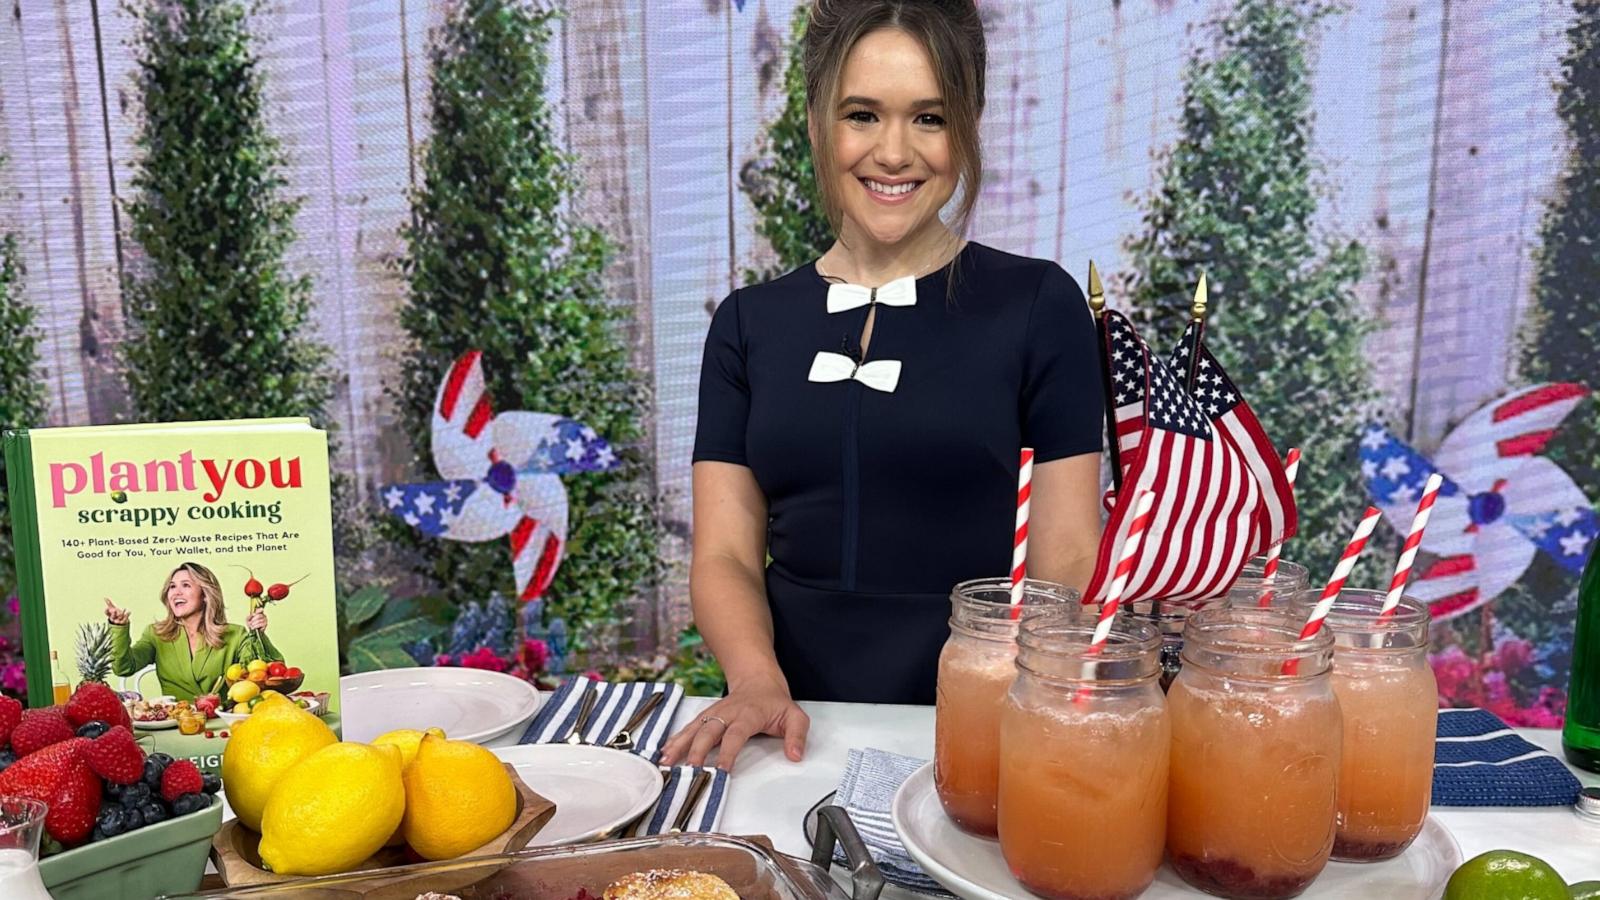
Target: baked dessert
(669, 884)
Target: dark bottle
(1581, 736)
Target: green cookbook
(189, 566)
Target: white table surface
(770, 795)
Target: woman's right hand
(763, 708)
(114, 615)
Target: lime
(1585, 890)
(1506, 875)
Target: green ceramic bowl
(169, 858)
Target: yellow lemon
(235, 672)
(406, 740)
(256, 665)
(261, 749)
(458, 797)
(332, 810)
(270, 695)
(243, 691)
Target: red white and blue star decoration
(502, 476)
(1501, 502)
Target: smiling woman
(193, 645)
(861, 417)
(903, 132)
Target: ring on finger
(705, 719)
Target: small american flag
(1221, 495)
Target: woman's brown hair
(951, 33)
(213, 614)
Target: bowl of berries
(121, 822)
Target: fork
(624, 739)
(585, 709)
(697, 786)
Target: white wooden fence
(1435, 122)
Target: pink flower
(443, 659)
(14, 679)
(593, 675)
(1494, 685)
(13, 606)
(485, 658)
(533, 656)
(1454, 671)
(1512, 656)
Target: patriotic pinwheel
(1501, 502)
(502, 476)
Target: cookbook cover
(189, 566)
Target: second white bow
(899, 292)
(880, 374)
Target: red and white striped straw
(1019, 542)
(1143, 506)
(1269, 570)
(1341, 572)
(1408, 555)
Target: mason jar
(976, 667)
(1168, 617)
(1252, 584)
(1256, 739)
(1390, 704)
(1084, 741)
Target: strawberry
(75, 806)
(94, 702)
(10, 715)
(181, 777)
(38, 729)
(38, 776)
(115, 757)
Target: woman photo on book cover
(194, 644)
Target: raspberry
(182, 777)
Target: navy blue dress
(879, 502)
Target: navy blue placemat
(1480, 761)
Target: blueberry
(93, 729)
(154, 811)
(163, 758)
(112, 790)
(212, 783)
(113, 821)
(97, 835)
(134, 817)
(154, 768)
(136, 794)
(189, 803)
(7, 757)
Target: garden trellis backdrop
(1394, 200)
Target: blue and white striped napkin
(871, 778)
(614, 706)
(1480, 761)
(708, 807)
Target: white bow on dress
(880, 374)
(899, 292)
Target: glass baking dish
(559, 873)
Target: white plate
(973, 868)
(595, 789)
(156, 725)
(236, 718)
(469, 704)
